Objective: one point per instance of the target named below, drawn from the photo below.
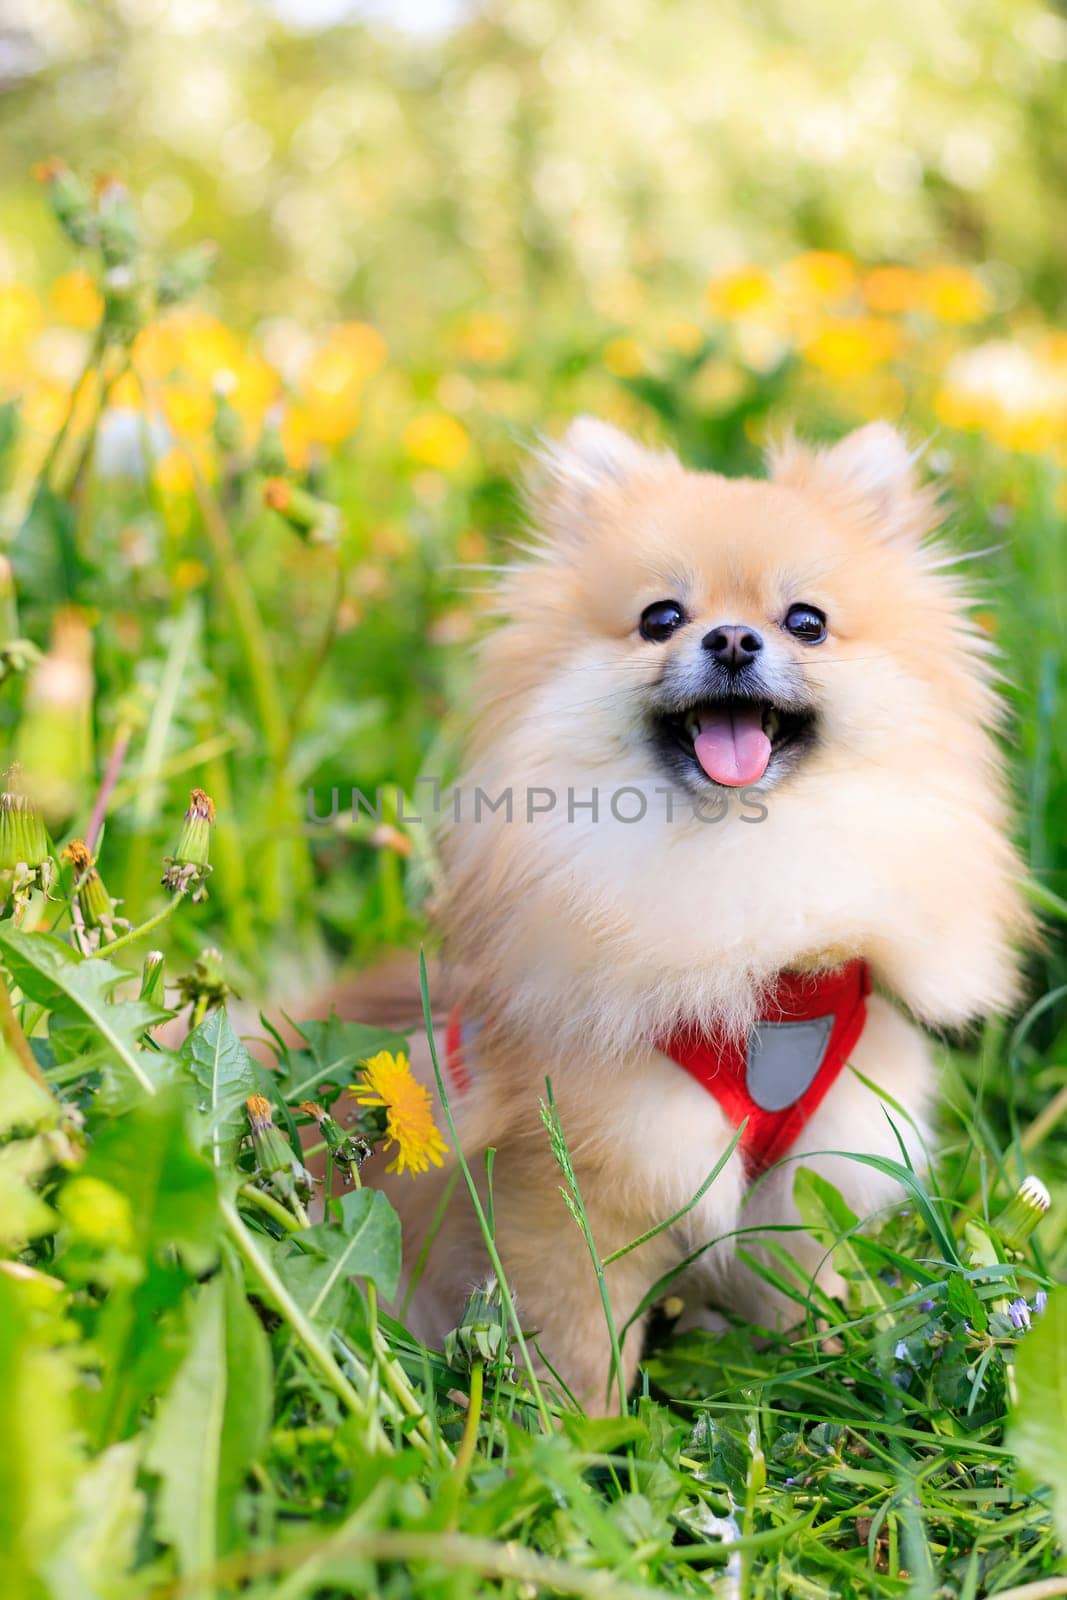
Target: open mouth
(733, 740)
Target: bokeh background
(443, 227)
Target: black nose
(733, 645)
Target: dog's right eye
(660, 620)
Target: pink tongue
(732, 746)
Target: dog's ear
(593, 456)
(871, 472)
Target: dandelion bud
(152, 988)
(482, 1334)
(348, 1150)
(274, 1157)
(95, 904)
(315, 520)
(204, 987)
(23, 839)
(270, 452)
(70, 199)
(227, 428)
(1022, 1214)
(25, 861)
(272, 1152)
(185, 273)
(122, 304)
(188, 866)
(117, 227)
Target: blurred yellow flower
(623, 357)
(822, 275)
(126, 393)
(173, 473)
(435, 439)
(365, 344)
(20, 322)
(485, 339)
(331, 386)
(953, 294)
(389, 1083)
(190, 575)
(188, 408)
(740, 293)
(685, 337)
(187, 360)
(1016, 394)
(891, 290)
(75, 299)
(852, 347)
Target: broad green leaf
(228, 1074)
(335, 1049)
(39, 1459)
(53, 975)
(212, 1424)
(1039, 1426)
(318, 1263)
(95, 1557)
(171, 1190)
(24, 1104)
(23, 1214)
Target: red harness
(776, 1078)
(780, 1074)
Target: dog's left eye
(806, 623)
(659, 621)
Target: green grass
(200, 1392)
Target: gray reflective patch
(783, 1058)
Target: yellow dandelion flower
(854, 346)
(75, 299)
(891, 290)
(822, 274)
(435, 439)
(623, 357)
(485, 339)
(743, 292)
(388, 1083)
(952, 294)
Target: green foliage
(1037, 1435)
(199, 1382)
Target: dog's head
(725, 633)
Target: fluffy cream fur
(577, 940)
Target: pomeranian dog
(731, 832)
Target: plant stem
(308, 1336)
(146, 927)
(273, 1208)
(107, 785)
(469, 1441)
(396, 1380)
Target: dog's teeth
(770, 723)
(692, 725)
